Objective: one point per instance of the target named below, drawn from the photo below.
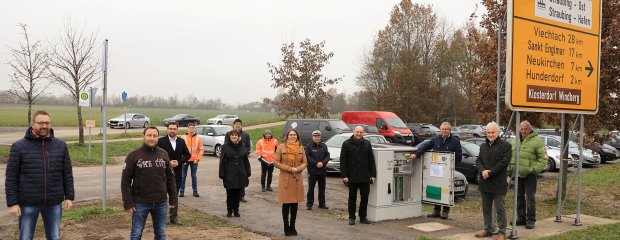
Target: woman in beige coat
(290, 158)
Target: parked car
(367, 128)
(614, 141)
(182, 120)
(129, 120)
(606, 151)
(477, 141)
(475, 129)
(457, 131)
(222, 119)
(334, 144)
(589, 158)
(305, 127)
(460, 185)
(388, 123)
(467, 166)
(213, 137)
(422, 131)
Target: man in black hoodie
(39, 178)
(358, 171)
(179, 154)
(147, 181)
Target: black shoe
(181, 194)
(262, 189)
(520, 222)
(351, 221)
(196, 194)
(175, 221)
(530, 225)
(287, 231)
(444, 214)
(229, 214)
(236, 213)
(323, 207)
(364, 221)
(308, 207)
(293, 231)
(269, 189)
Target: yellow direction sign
(553, 55)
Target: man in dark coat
(492, 163)
(39, 178)
(245, 140)
(179, 154)
(358, 171)
(318, 156)
(445, 142)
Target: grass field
(14, 115)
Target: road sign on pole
(85, 99)
(553, 56)
(124, 96)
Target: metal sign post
(104, 67)
(558, 215)
(577, 218)
(514, 234)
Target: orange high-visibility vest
(266, 149)
(194, 144)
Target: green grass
(4, 153)
(257, 134)
(600, 232)
(96, 137)
(79, 154)
(14, 115)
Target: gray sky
(211, 49)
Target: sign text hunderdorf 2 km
(553, 55)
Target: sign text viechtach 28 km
(553, 55)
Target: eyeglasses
(43, 123)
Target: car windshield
(396, 123)
(433, 128)
(123, 116)
(471, 148)
(179, 116)
(336, 141)
(221, 130)
(484, 127)
(219, 116)
(339, 125)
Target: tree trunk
(29, 113)
(81, 125)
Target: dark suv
(422, 131)
(305, 127)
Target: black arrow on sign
(589, 68)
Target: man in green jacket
(532, 161)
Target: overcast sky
(211, 49)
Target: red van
(388, 123)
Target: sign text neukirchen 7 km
(553, 55)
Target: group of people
(154, 175)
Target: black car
(606, 151)
(467, 166)
(614, 141)
(422, 131)
(182, 120)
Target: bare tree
(74, 64)
(29, 63)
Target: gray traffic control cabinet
(403, 184)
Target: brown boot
(435, 214)
(444, 214)
(483, 234)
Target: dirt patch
(114, 224)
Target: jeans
(364, 191)
(51, 220)
(265, 171)
(193, 167)
(158, 215)
(527, 189)
(312, 179)
(488, 199)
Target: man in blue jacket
(445, 142)
(39, 178)
(318, 156)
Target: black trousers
(526, 198)
(445, 208)
(364, 189)
(232, 198)
(175, 210)
(265, 171)
(312, 179)
(289, 208)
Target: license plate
(408, 141)
(459, 188)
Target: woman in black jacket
(234, 171)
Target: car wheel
(146, 124)
(218, 150)
(219, 122)
(127, 125)
(550, 165)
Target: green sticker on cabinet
(433, 192)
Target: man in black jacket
(445, 142)
(147, 182)
(492, 164)
(245, 140)
(39, 178)
(178, 154)
(358, 171)
(318, 156)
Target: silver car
(334, 144)
(223, 119)
(554, 142)
(129, 120)
(212, 137)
